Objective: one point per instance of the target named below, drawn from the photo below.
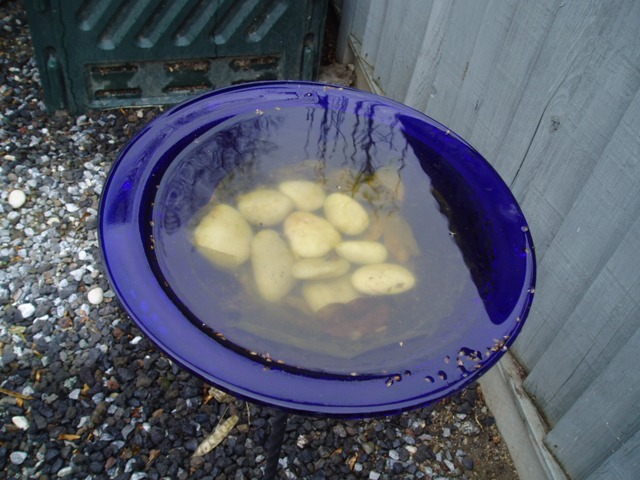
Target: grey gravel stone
(467, 462)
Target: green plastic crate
(96, 54)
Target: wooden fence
(549, 92)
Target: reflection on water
(345, 146)
(233, 151)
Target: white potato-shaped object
(346, 214)
(310, 235)
(382, 279)
(224, 236)
(321, 293)
(319, 268)
(265, 207)
(271, 260)
(362, 251)
(306, 195)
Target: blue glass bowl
(442, 337)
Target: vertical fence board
(360, 17)
(375, 24)
(490, 41)
(347, 28)
(509, 80)
(400, 42)
(454, 61)
(421, 84)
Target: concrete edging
(519, 422)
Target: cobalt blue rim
(125, 214)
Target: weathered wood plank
(608, 314)
(603, 418)
(489, 44)
(347, 17)
(421, 84)
(371, 37)
(458, 46)
(402, 34)
(520, 25)
(360, 17)
(510, 77)
(592, 231)
(579, 96)
(623, 464)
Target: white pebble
(72, 207)
(17, 198)
(18, 458)
(374, 475)
(26, 310)
(95, 296)
(21, 422)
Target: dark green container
(95, 54)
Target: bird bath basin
(445, 216)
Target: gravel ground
(84, 395)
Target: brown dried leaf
(337, 451)
(69, 437)
(398, 237)
(153, 455)
(218, 395)
(351, 461)
(11, 393)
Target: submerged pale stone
(224, 236)
(265, 207)
(346, 214)
(321, 293)
(382, 279)
(306, 195)
(319, 268)
(362, 251)
(310, 235)
(271, 260)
